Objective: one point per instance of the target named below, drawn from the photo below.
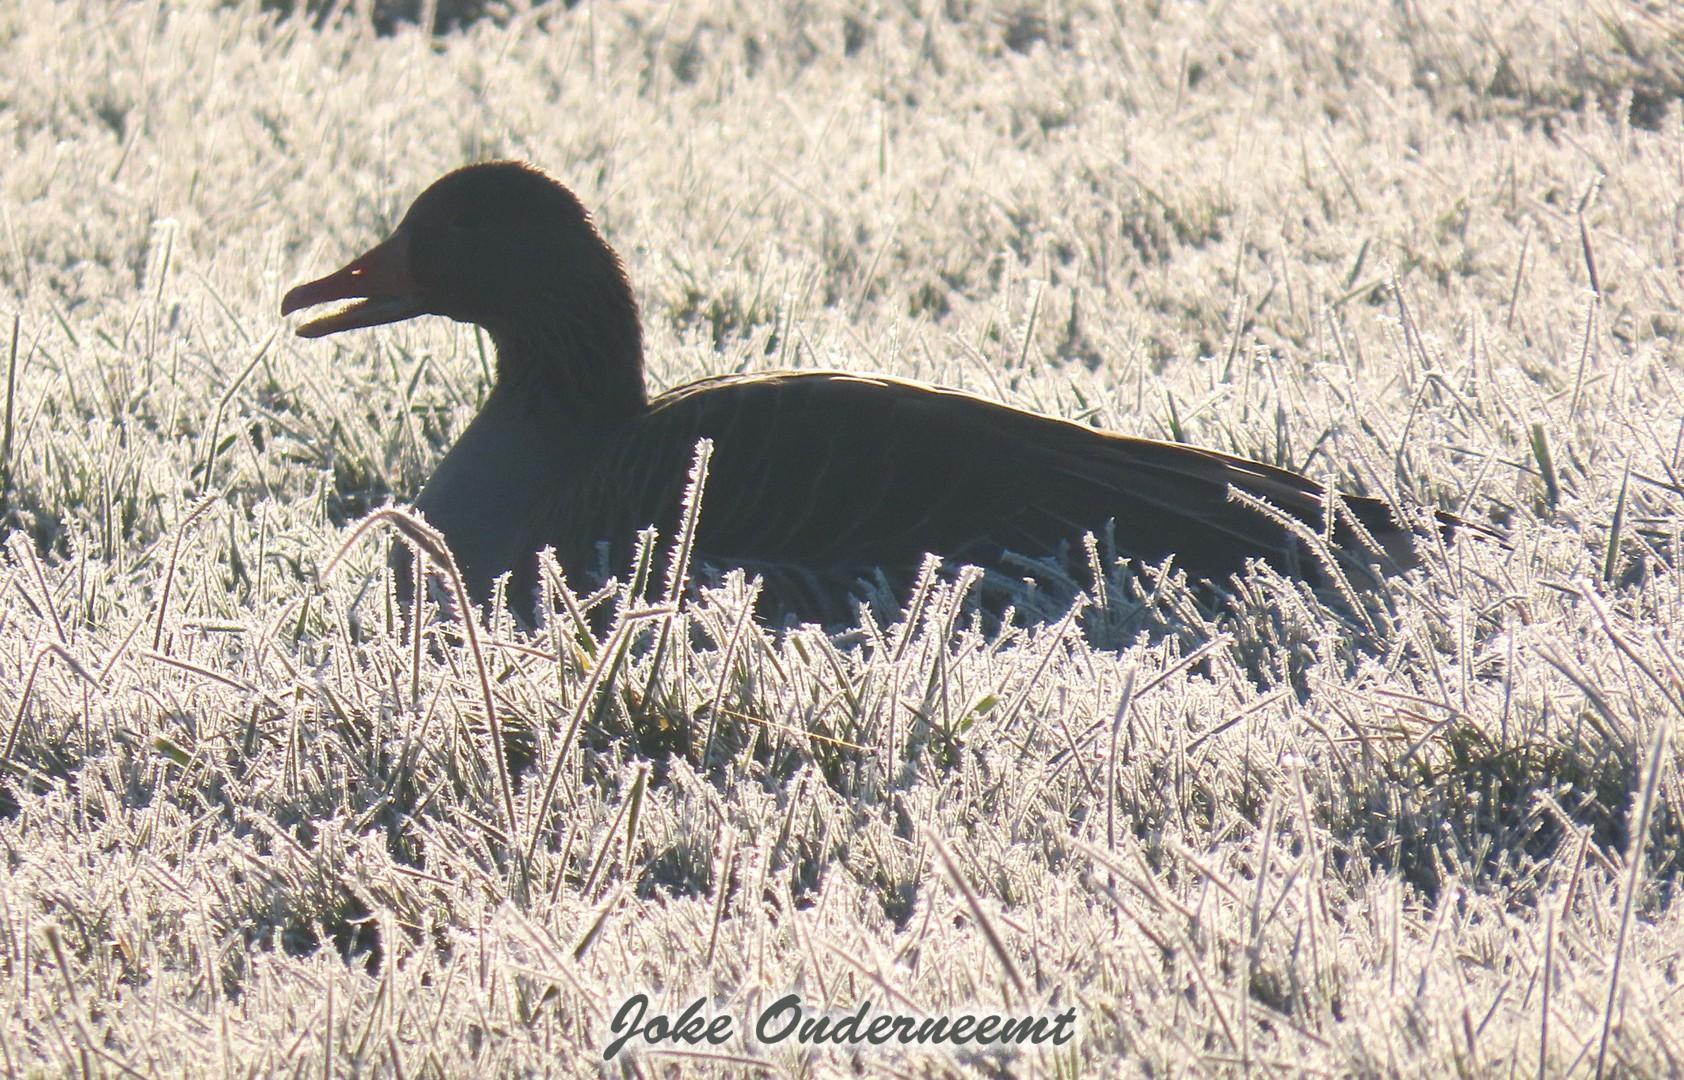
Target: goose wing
(832, 476)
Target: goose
(819, 480)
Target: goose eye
(467, 219)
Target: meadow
(1431, 250)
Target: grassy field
(1428, 250)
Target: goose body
(818, 479)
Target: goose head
(503, 245)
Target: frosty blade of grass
(1643, 805)
(428, 541)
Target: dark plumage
(818, 478)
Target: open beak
(379, 280)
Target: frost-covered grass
(1433, 251)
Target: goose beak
(379, 279)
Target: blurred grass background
(1427, 250)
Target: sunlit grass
(1428, 253)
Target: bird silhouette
(818, 480)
